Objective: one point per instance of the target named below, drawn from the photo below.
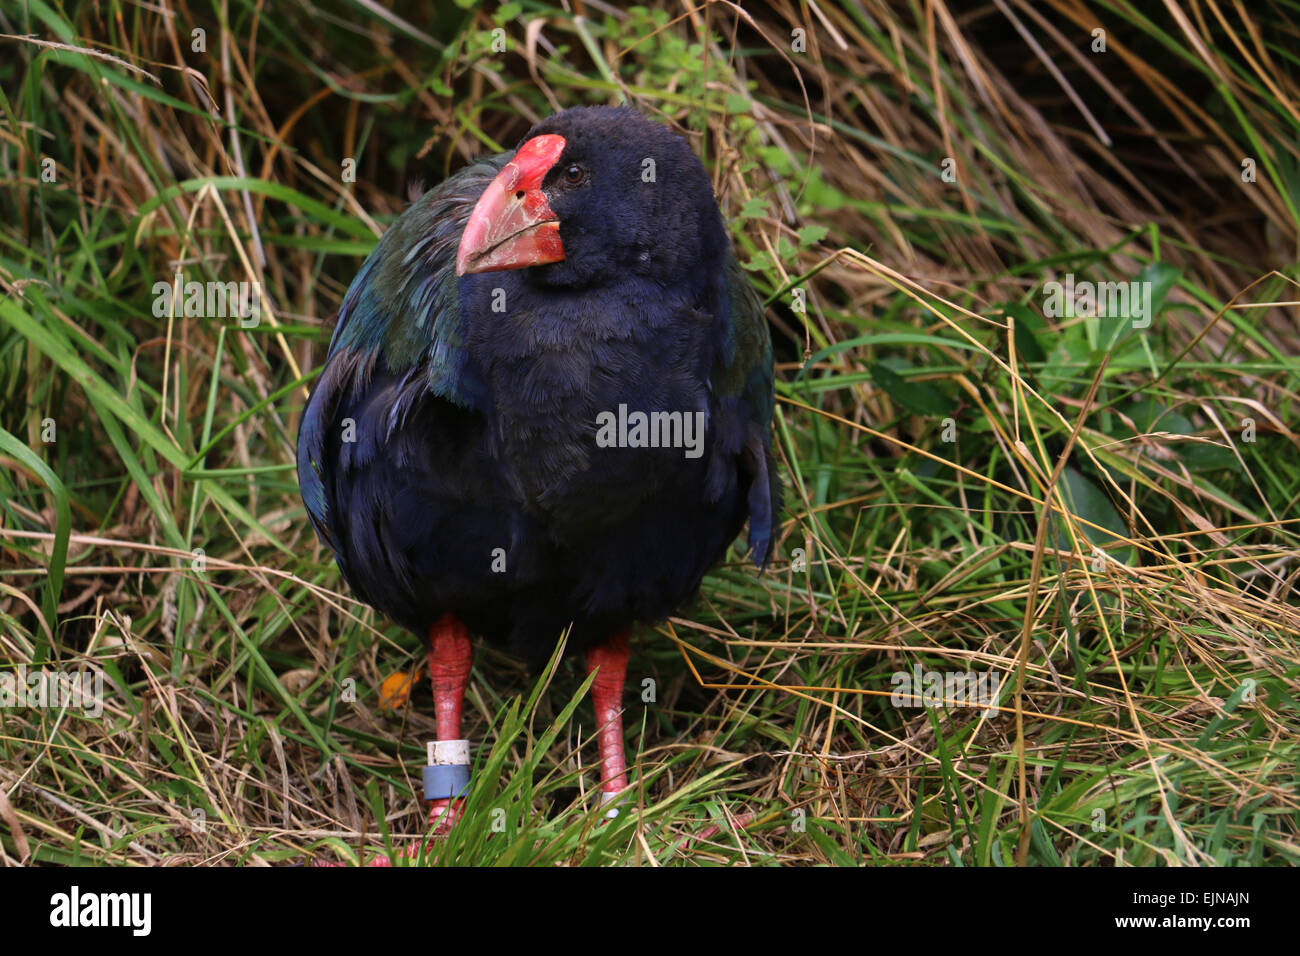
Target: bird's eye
(574, 174)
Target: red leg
(609, 660)
(451, 654)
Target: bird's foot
(445, 814)
(739, 822)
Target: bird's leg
(609, 661)
(451, 655)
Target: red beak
(512, 225)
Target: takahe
(482, 452)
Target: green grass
(1100, 511)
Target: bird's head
(593, 194)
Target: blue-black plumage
(449, 455)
